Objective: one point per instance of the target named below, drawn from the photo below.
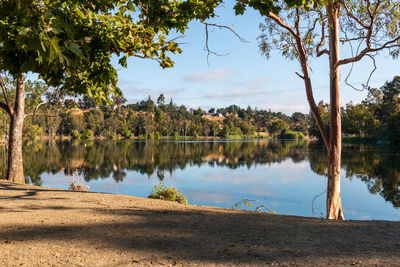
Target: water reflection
(112, 159)
(378, 167)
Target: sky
(242, 76)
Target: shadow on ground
(220, 236)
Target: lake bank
(44, 226)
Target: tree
(119, 100)
(161, 101)
(300, 33)
(324, 113)
(359, 120)
(70, 44)
(389, 110)
(94, 121)
(391, 97)
(73, 120)
(277, 126)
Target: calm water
(285, 176)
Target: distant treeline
(377, 117)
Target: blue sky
(243, 77)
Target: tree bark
(333, 198)
(15, 170)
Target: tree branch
(351, 15)
(5, 107)
(367, 50)
(10, 110)
(322, 42)
(281, 23)
(206, 25)
(305, 77)
(35, 110)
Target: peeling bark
(15, 170)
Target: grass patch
(167, 193)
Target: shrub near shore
(168, 193)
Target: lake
(284, 176)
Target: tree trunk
(15, 170)
(333, 199)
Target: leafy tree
(393, 129)
(324, 111)
(299, 117)
(70, 44)
(390, 97)
(301, 33)
(359, 120)
(277, 126)
(111, 123)
(119, 100)
(161, 101)
(95, 121)
(73, 120)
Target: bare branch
(5, 107)
(10, 110)
(298, 74)
(364, 52)
(366, 86)
(36, 109)
(207, 48)
(322, 42)
(224, 27)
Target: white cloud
(208, 76)
(259, 82)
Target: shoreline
(46, 226)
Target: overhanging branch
(5, 107)
(9, 109)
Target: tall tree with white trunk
(367, 27)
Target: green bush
(76, 135)
(167, 193)
(88, 134)
(157, 135)
(292, 135)
(31, 134)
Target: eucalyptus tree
(69, 44)
(301, 33)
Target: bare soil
(50, 227)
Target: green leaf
(76, 49)
(123, 62)
(23, 31)
(239, 8)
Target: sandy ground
(51, 227)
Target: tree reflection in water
(376, 166)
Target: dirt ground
(51, 227)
